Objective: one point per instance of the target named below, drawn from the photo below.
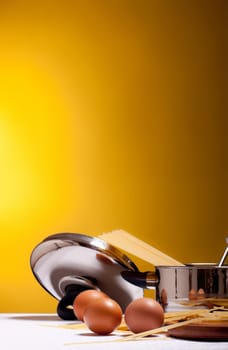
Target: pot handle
(65, 305)
(146, 280)
(224, 255)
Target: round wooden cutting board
(205, 330)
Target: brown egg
(83, 299)
(201, 294)
(103, 316)
(143, 314)
(192, 295)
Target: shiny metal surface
(224, 256)
(67, 259)
(177, 281)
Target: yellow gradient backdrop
(112, 115)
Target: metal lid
(65, 259)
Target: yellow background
(113, 114)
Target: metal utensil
(65, 264)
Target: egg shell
(192, 295)
(143, 314)
(83, 299)
(201, 294)
(103, 316)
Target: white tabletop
(47, 332)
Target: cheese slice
(135, 246)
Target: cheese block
(135, 246)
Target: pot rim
(190, 266)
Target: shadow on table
(35, 317)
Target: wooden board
(207, 331)
(133, 245)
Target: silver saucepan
(177, 282)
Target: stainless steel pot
(175, 282)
